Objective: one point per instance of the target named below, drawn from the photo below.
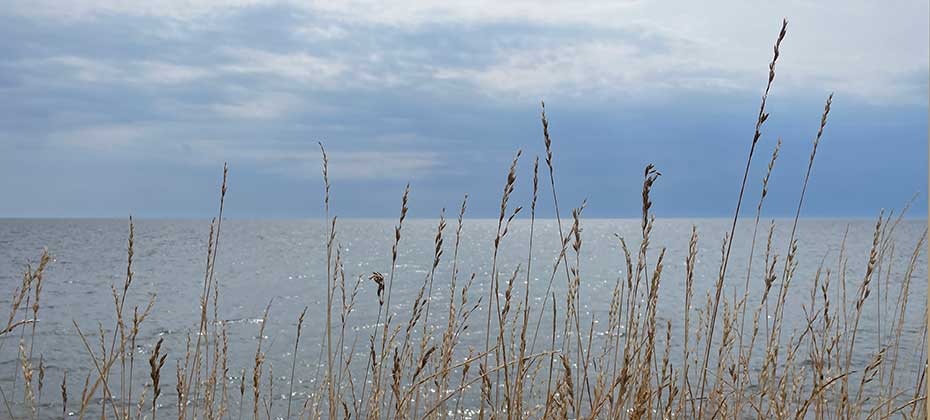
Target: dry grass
(416, 368)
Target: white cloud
(262, 107)
(167, 73)
(298, 66)
(857, 47)
(85, 70)
(91, 9)
(406, 12)
(107, 138)
(596, 68)
(412, 12)
(133, 141)
(349, 165)
(327, 32)
(360, 165)
(143, 72)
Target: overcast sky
(112, 107)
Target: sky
(113, 108)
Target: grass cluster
(738, 358)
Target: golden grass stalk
(156, 362)
(290, 392)
(763, 116)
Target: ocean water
(283, 262)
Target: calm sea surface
(283, 262)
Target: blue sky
(111, 108)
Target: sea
(281, 265)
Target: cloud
(409, 12)
(93, 9)
(391, 157)
(316, 32)
(597, 68)
(360, 165)
(264, 106)
(343, 164)
(298, 66)
(556, 48)
(102, 139)
(167, 73)
(90, 70)
(417, 90)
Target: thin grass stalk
(807, 175)
(518, 389)
(259, 362)
(378, 358)
(752, 248)
(290, 392)
(763, 116)
(493, 283)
